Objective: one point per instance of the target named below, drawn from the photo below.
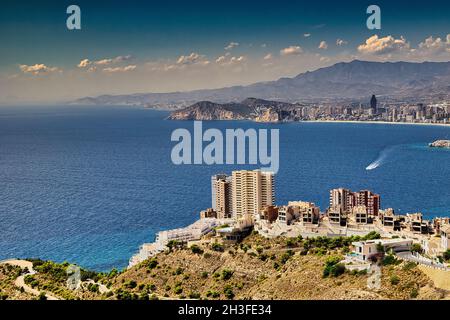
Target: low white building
(364, 249)
(190, 233)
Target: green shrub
(196, 249)
(394, 280)
(93, 287)
(227, 274)
(130, 284)
(152, 263)
(228, 292)
(194, 295)
(332, 267)
(178, 290)
(390, 260)
(416, 248)
(446, 255)
(217, 247)
(286, 256)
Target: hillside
(257, 268)
(249, 109)
(345, 81)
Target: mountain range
(345, 81)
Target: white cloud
(102, 62)
(323, 45)
(433, 44)
(231, 45)
(228, 60)
(120, 69)
(307, 35)
(340, 42)
(434, 47)
(268, 56)
(38, 69)
(292, 50)
(190, 59)
(84, 63)
(379, 46)
(220, 59)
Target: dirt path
(20, 281)
(374, 281)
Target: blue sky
(158, 34)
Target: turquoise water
(89, 185)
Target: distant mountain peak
(343, 81)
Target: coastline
(378, 122)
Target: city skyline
(149, 47)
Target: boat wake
(382, 158)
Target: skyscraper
(373, 104)
(221, 195)
(252, 190)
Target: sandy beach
(379, 122)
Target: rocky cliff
(250, 109)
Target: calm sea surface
(89, 185)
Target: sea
(89, 185)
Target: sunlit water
(89, 185)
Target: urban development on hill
(245, 247)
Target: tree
(446, 255)
(416, 248)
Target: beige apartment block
(251, 191)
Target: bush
(228, 292)
(178, 290)
(372, 235)
(204, 274)
(194, 295)
(130, 284)
(290, 243)
(446, 255)
(93, 287)
(212, 294)
(333, 267)
(227, 274)
(394, 280)
(178, 271)
(217, 247)
(390, 260)
(196, 249)
(152, 263)
(416, 248)
(42, 296)
(286, 256)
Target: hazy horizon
(177, 47)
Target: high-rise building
(221, 195)
(251, 191)
(346, 199)
(342, 198)
(373, 104)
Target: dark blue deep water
(89, 185)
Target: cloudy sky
(149, 46)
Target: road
(20, 281)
